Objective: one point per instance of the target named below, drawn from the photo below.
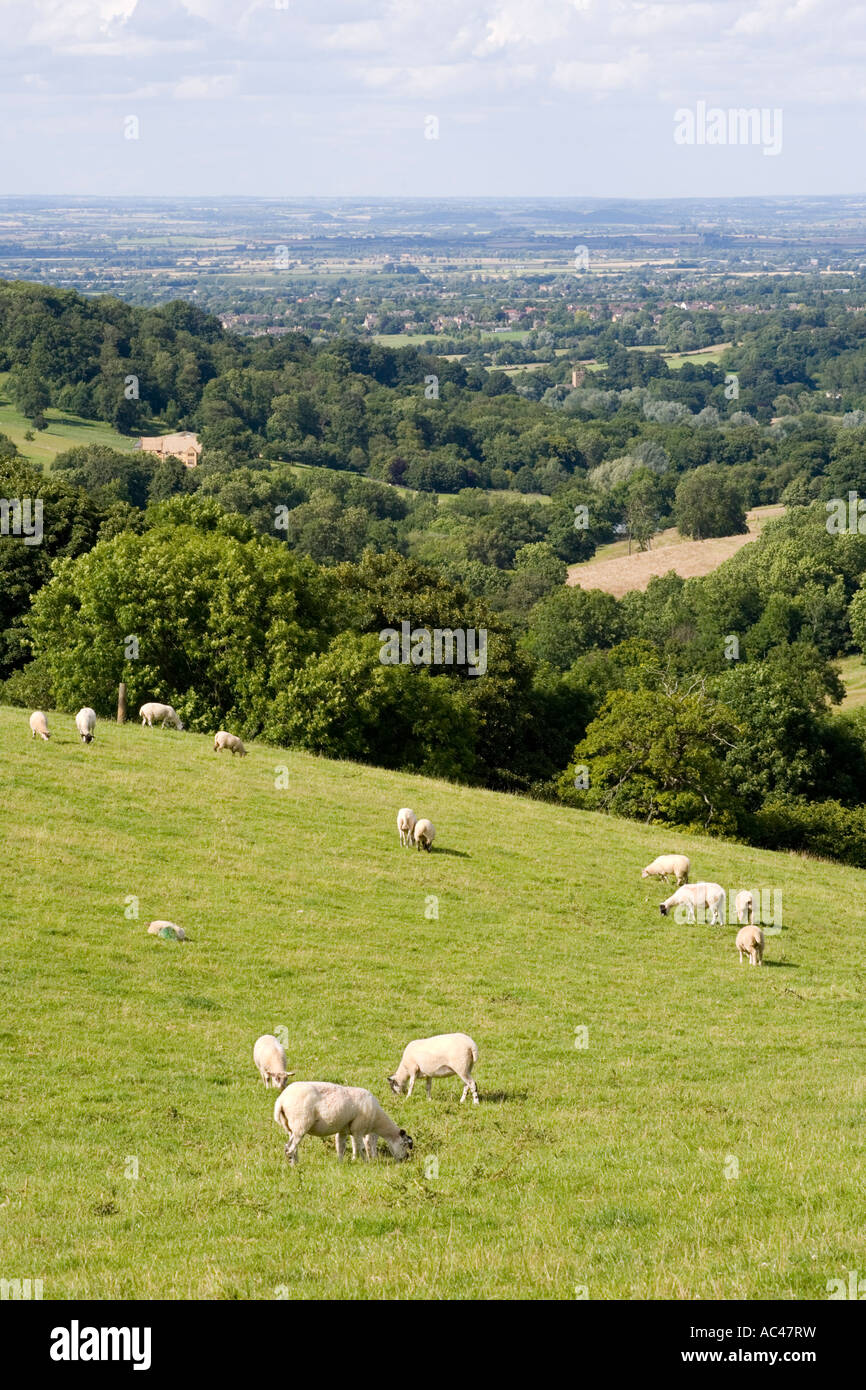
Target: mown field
(616, 571)
(65, 431)
(853, 672)
(706, 1142)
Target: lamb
(744, 906)
(270, 1058)
(698, 897)
(231, 741)
(321, 1108)
(751, 941)
(669, 866)
(163, 714)
(424, 833)
(85, 723)
(39, 725)
(405, 825)
(158, 927)
(448, 1054)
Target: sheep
(85, 723)
(321, 1108)
(744, 906)
(39, 725)
(270, 1058)
(695, 897)
(231, 741)
(158, 927)
(424, 833)
(448, 1054)
(405, 825)
(750, 940)
(669, 866)
(163, 714)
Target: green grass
(602, 1166)
(853, 672)
(64, 431)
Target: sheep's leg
(468, 1085)
(429, 1085)
(341, 1146)
(411, 1084)
(741, 957)
(371, 1144)
(292, 1147)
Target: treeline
(783, 427)
(704, 703)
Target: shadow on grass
(780, 964)
(458, 853)
(501, 1097)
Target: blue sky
(329, 98)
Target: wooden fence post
(121, 702)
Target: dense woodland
(346, 487)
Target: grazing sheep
(405, 825)
(744, 906)
(751, 941)
(158, 927)
(39, 725)
(321, 1108)
(270, 1058)
(669, 866)
(224, 740)
(697, 897)
(448, 1054)
(424, 834)
(163, 714)
(85, 723)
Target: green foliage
(658, 753)
(220, 624)
(708, 504)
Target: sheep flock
(323, 1108)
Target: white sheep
(321, 1108)
(39, 725)
(230, 741)
(424, 833)
(750, 940)
(744, 906)
(154, 928)
(447, 1054)
(270, 1058)
(405, 825)
(164, 714)
(697, 897)
(85, 723)
(669, 866)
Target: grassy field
(707, 1142)
(64, 431)
(853, 670)
(614, 570)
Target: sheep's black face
(395, 1085)
(663, 910)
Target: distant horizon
(465, 198)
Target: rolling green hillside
(707, 1142)
(65, 431)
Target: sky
(431, 98)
